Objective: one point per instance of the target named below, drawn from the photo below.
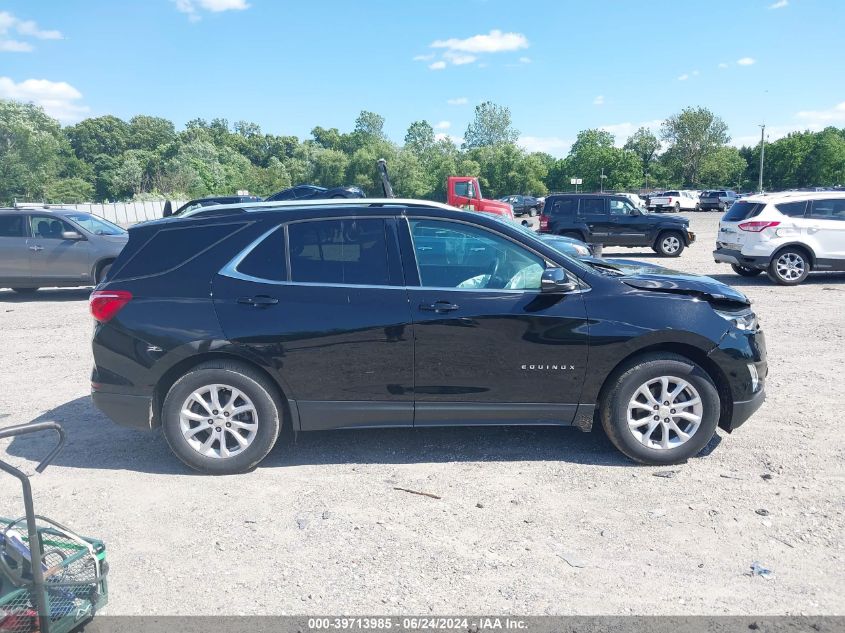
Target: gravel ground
(530, 521)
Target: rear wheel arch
(685, 350)
(173, 374)
(98, 267)
(811, 255)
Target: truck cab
(464, 192)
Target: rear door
(324, 302)
(825, 224)
(14, 250)
(594, 213)
(54, 257)
(490, 347)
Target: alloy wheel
(670, 244)
(790, 266)
(665, 412)
(218, 421)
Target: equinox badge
(548, 367)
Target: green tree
(692, 135)
(150, 133)
(594, 154)
(420, 138)
(370, 124)
(645, 145)
(68, 191)
(101, 135)
(723, 168)
(491, 126)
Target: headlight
(744, 320)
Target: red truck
(464, 192)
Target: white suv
(786, 234)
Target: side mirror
(557, 280)
(72, 235)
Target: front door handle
(439, 306)
(36, 248)
(260, 301)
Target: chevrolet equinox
(222, 328)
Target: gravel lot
(531, 521)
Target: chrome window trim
(231, 269)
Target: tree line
(107, 159)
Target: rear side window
(170, 248)
(11, 226)
(833, 209)
(592, 206)
(792, 209)
(742, 211)
(352, 251)
(267, 260)
(564, 206)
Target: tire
(24, 291)
(669, 244)
(645, 443)
(697, 206)
(677, 207)
(255, 391)
(744, 271)
(789, 266)
(532, 212)
(102, 271)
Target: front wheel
(677, 207)
(744, 271)
(669, 244)
(532, 212)
(789, 267)
(661, 409)
(221, 418)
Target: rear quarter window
(742, 211)
(170, 248)
(563, 206)
(792, 209)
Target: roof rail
(332, 202)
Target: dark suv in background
(386, 313)
(613, 220)
(719, 199)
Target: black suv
(613, 220)
(385, 313)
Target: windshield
(95, 225)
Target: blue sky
(559, 66)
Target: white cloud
(494, 42)
(695, 73)
(599, 100)
(683, 77)
(27, 29)
(723, 65)
(458, 59)
(58, 98)
(836, 114)
(524, 60)
(442, 136)
(746, 61)
(423, 58)
(780, 4)
(437, 65)
(621, 131)
(458, 101)
(442, 125)
(554, 145)
(192, 8)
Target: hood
(685, 283)
(671, 219)
(496, 204)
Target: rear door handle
(36, 248)
(439, 306)
(260, 301)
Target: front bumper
(731, 256)
(736, 352)
(126, 410)
(745, 409)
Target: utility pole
(762, 155)
(601, 188)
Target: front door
(627, 227)
(55, 258)
(14, 250)
(334, 324)
(490, 347)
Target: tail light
(544, 223)
(105, 304)
(757, 226)
(670, 200)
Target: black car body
(613, 220)
(524, 205)
(720, 199)
(390, 314)
(313, 192)
(194, 205)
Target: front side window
(11, 226)
(95, 225)
(349, 251)
(49, 228)
(456, 255)
(621, 207)
(832, 209)
(462, 189)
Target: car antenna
(385, 179)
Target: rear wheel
(745, 271)
(221, 418)
(24, 291)
(698, 206)
(532, 212)
(669, 244)
(661, 409)
(677, 207)
(789, 267)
